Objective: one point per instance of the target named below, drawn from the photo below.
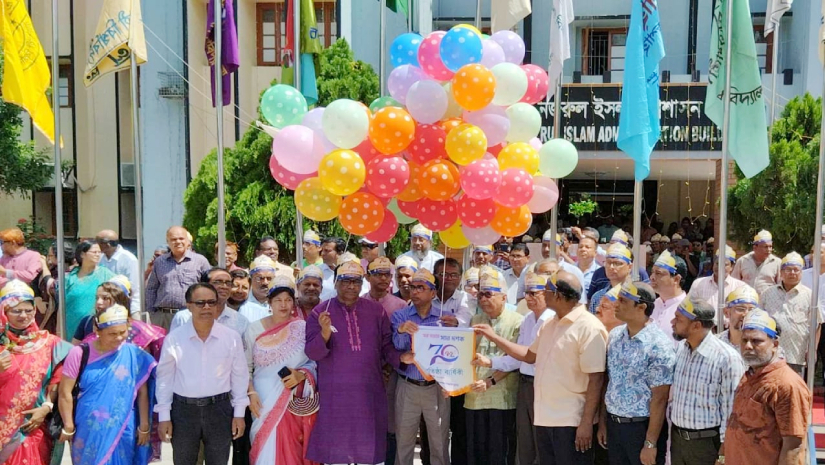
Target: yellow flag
(26, 74)
(119, 36)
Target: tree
(256, 205)
(782, 198)
(24, 168)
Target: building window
(65, 83)
(271, 29)
(764, 49)
(604, 50)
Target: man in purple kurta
(350, 338)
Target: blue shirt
(636, 365)
(597, 297)
(599, 280)
(403, 341)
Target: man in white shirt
(120, 261)
(201, 377)
(449, 298)
(759, 269)
(586, 254)
(262, 271)
(222, 281)
(808, 277)
(666, 279)
(519, 256)
(421, 243)
(707, 288)
(546, 243)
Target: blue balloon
(459, 47)
(404, 50)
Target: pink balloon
(516, 188)
(538, 84)
(428, 143)
(493, 54)
(429, 57)
(480, 179)
(535, 143)
(475, 213)
(492, 120)
(285, 177)
(387, 176)
(312, 120)
(437, 215)
(545, 194)
(409, 208)
(401, 79)
(484, 235)
(387, 230)
(298, 149)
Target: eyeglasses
(350, 282)
(370, 246)
(449, 275)
(485, 295)
(20, 312)
(221, 282)
(419, 288)
(260, 278)
(204, 303)
(533, 294)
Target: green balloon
(399, 215)
(525, 122)
(383, 102)
(558, 158)
(283, 105)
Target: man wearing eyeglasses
(738, 304)
(221, 280)
(262, 271)
(666, 278)
(617, 267)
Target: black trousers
(694, 452)
(242, 445)
(191, 425)
(626, 440)
(557, 446)
(491, 437)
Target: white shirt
(527, 334)
(807, 280)
(457, 305)
(573, 269)
(588, 275)
(512, 285)
(429, 260)
(254, 310)
(228, 317)
(707, 289)
(190, 367)
(125, 263)
(328, 285)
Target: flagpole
(723, 194)
(554, 212)
(218, 32)
(296, 52)
(409, 15)
(382, 61)
(58, 178)
(637, 228)
(133, 84)
(478, 15)
(774, 65)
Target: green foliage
(584, 206)
(256, 205)
(782, 198)
(24, 168)
(36, 237)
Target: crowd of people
(578, 361)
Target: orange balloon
(438, 180)
(412, 192)
(473, 87)
(512, 221)
(450, 123)
(392, 130)
(361, 213)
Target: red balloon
(409, 208)
(476, 213)
(387, 229)
(437, 215)
(387, 176)
(367, 151)
(516, 188)
(285, 177)
(537, 84)
(428, 143)
(495, 149)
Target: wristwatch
(721, 459)
(649, 445)
(492, 381)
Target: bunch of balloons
(454, 146)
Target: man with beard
(221, 280)
(421, 241)
(699, 416)
(405, 268)
(769, 421)
(262, 272)
(737, 305)
(310, 285)
(707, 288)
(760, 267)
(240, 289)
(666, 279)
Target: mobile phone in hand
(284, 372)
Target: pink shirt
(72, 363)
(390, 303)
(24, 266)
(664, 311)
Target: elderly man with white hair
(421, 243)
(759, 268)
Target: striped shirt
(704, 383)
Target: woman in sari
(276, 342)
(30, 366)
(107, 428)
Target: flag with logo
(117, 39)
(639, 119)
(399, 5)
(774, 12)
(507, 13)
(748, 129)
(560, 18)
(446, 355)
(26, 75)
(310, 48)
(230, 55)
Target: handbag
(55, 420)
(308, 405)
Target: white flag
(561, 16)
(507, 13)
(774, 12)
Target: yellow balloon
(453, 237)
(342, 172)
(466, 144)
(519, 155)
(472, 28)
(315, 202)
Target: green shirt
(502, 396)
